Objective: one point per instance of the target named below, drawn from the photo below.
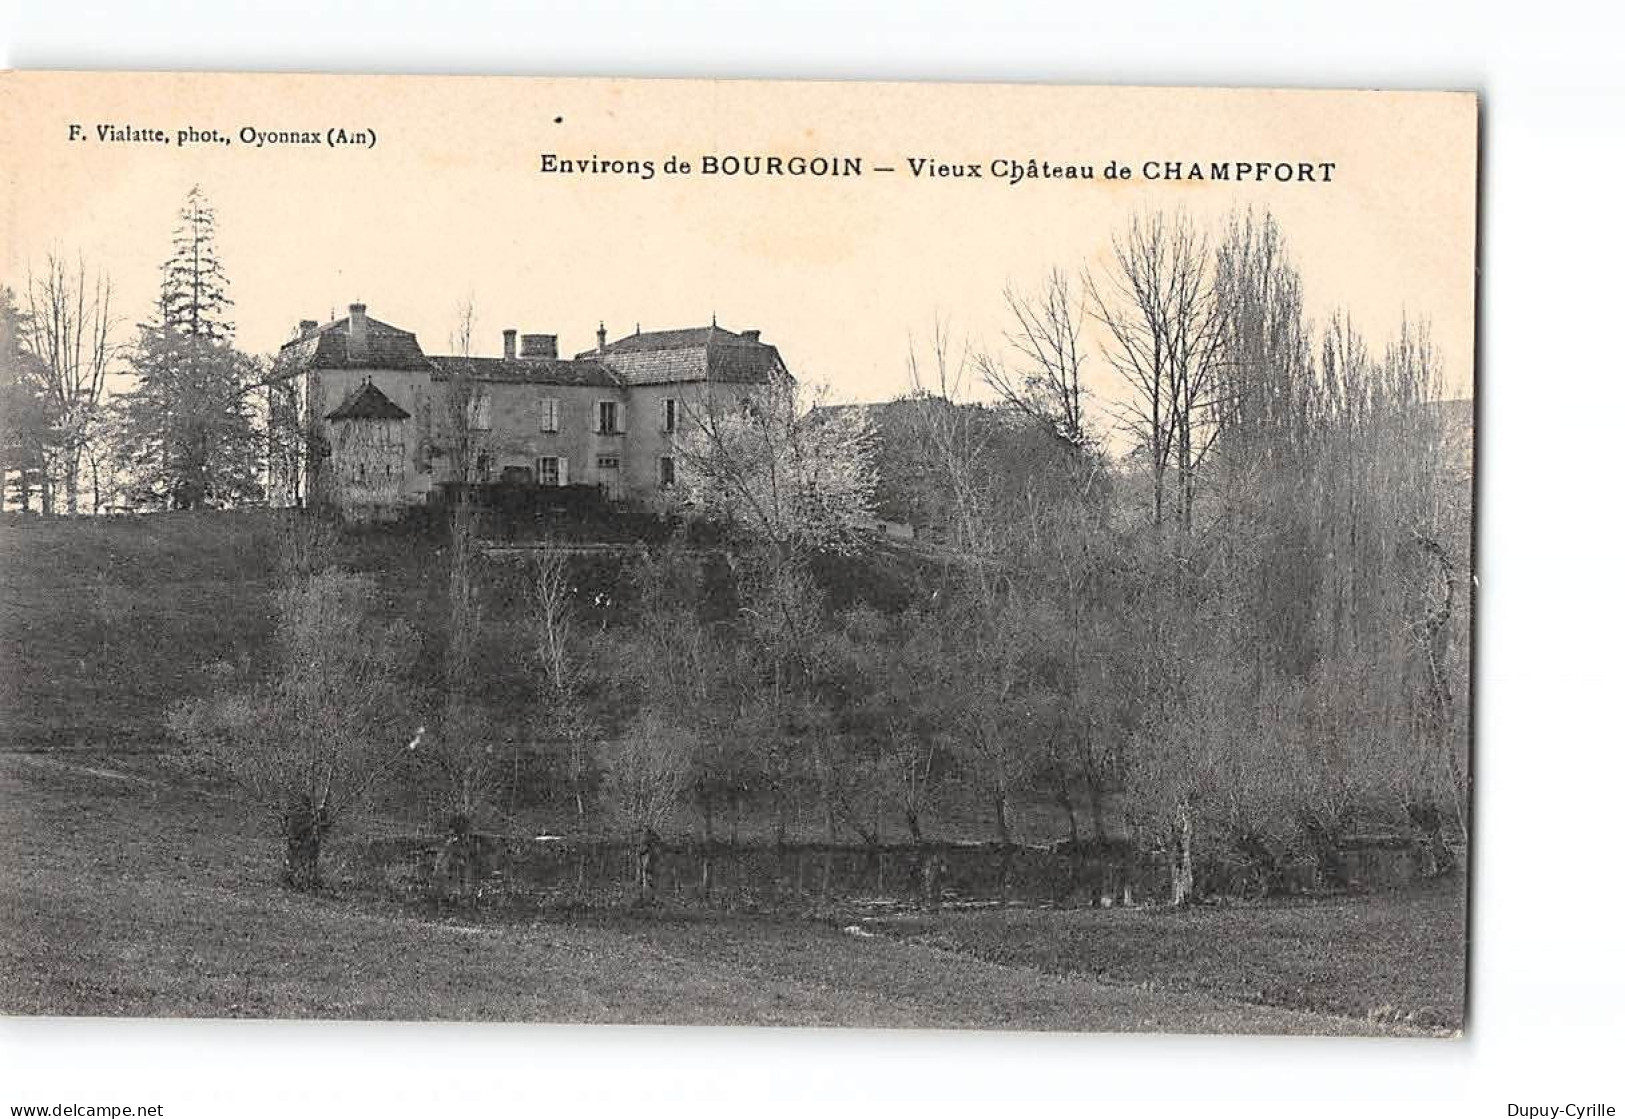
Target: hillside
(104, 622)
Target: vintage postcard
(729, 552)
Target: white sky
(836, 272)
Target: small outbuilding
(368, 432)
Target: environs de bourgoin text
(1007, 169)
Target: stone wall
(517, 437)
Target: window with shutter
(550, 414)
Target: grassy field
(1386, 957)
(127, 895)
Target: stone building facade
(386, 424)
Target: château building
(384, 424)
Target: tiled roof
(525, 371)
(654, 367)
(749, 363)
(668, 339)
(653, 357)
(701, 353)
(368, 402)
(328, 347)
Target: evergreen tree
(25, 430)
(192, 297)
(189, 424)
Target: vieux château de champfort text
(1006, 169)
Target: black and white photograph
(908, 573)
(806, 566)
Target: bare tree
(1068, 556)
(797, 480)
(313, 742)
(793, 472)
(978, 648)
(1049, 343)
(561, 673)
(781, 617)
(466, 427)
(1164, 321)
(464, 746)
(289, 436)
(648, 772)
(1422, 495)
(997, 691)
(945, 448)
(888, 671)
(1266, 382)
(67, 327)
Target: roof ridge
(586, 356)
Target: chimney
(307, 327)
(542, 346)
(508, 337)
(358, 330)
(751, 335)
(602, 336)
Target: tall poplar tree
(189, 424)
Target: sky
(449, 204)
